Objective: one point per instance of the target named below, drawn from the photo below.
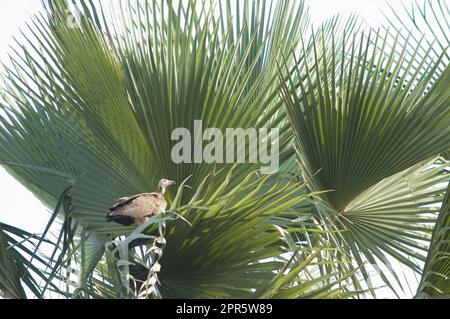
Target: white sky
(16, 200)
(19, 207)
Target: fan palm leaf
(22, 270)
(357, 128)
(93, 107)
(422, 21)
(435, 281)
(10, 284)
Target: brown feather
(122, 201)
(138, 208)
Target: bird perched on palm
(138, 209)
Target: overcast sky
(19, 207)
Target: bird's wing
(148, 204)
(123, 201)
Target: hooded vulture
(138, 209)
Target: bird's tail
(124, 220)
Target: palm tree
(87, 110)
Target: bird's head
(164, 183)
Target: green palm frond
(229, 249)
(10, 284)
(300, 277)
(435, 281)
(357, 128)
(422, 21)
(394, 218)
(224, 246)
(21, 266)
(94, 107)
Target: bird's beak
(171, 182)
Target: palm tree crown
(91, 98)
